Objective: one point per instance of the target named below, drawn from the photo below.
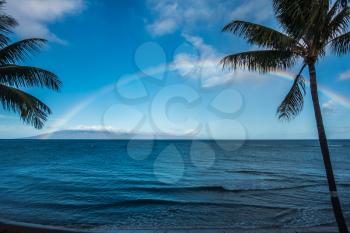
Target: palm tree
(12, 77)
(310, 29)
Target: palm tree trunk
(325, 153)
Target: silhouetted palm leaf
(7, 23)
(341, 44)
(337, 6)
(262, 61)
(4, 40)
(25, 76)
(20, 51)
(339, 23)
(292, 14)
(260, 35)
(293, 103)
(31, 110)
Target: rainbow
(76, 109)
(337, 98)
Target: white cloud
(329, 107)
(172, 15)
(188, 17)
(93, 127)
(165, 26)
(254, 10)
(344, 76)
(208, 71)
(205, 50)
(168, 19)
(206, 67)
(35, 16)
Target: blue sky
(151, 67)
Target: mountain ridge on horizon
(101, 135)
(94, 134)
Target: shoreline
(33, 228)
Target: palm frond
(4, 40)
(325, 5)
(302, 19)
(2, 4)
(26, 76)
(21, 50)
(336, 7)
(293, 103)
(289, 7)
(292, 14)
(7, 22)
(341, 44)
(31, 110)
(339, 23)
(262, 61)
(260, 35)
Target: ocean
(173, 184)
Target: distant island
(102, 135)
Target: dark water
(181, 184)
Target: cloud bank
(206, 67)
(329, 107)
(35, 16)
(173, 15)
(344, 76)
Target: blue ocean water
(170, 184)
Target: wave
(183, 189)
(116, 204)
(145, 202)
(219, 189)
(278, 174)
(141, 203)
(257, 173)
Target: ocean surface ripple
(93, 184)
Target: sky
(152, 67)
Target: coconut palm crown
(13, 76)
(309, 30)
